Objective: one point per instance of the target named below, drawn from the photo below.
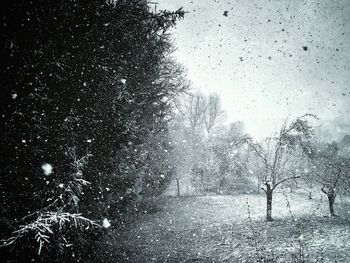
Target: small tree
(329, 169)
(275, 152)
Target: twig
(288, 205)
(253, 232)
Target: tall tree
(90, 77)
(194, 109)
(213, 111)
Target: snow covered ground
(218, 229)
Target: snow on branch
(43, 228)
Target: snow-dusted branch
(43, 228)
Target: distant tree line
(214, 157)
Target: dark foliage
(93, 77)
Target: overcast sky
(268, 59)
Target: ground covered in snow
(220, 229)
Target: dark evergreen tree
(86, 89)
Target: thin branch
(284, 180)
(258, 152)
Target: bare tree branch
(284, 180)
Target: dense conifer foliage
(86, 92)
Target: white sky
(276, 77)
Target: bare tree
(194, 110)
(201, 111)
(274, 154)
(186, 132)
(329, 169)
(213, 111)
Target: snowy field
(220, 229)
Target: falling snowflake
(47, 169)
(106, 223)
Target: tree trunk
(269, 203)
(331, 199)
(331, 194)
(178, 186)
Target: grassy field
(220, 229)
